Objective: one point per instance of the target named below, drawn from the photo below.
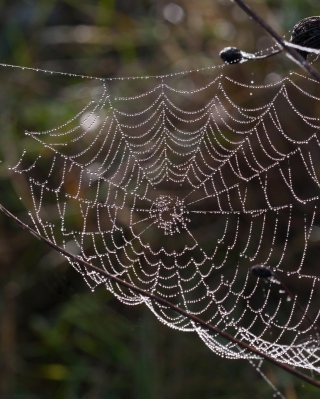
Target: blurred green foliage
(58, 339)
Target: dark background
(58, 339)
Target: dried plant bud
(261, 271)
(231, 55)
(307, 33)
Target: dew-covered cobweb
(183, 183)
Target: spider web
(183, 185)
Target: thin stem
(291, 51)
(261, 57)
(301, 308)
(162, 301)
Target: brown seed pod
(307, 33)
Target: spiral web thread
(180, 189)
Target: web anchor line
(76, 259)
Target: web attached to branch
(202, 188)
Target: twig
(291, 51)
(162, 301)
(293, 298)
(264, 272)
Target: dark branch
(162, 301)
(289, 50)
